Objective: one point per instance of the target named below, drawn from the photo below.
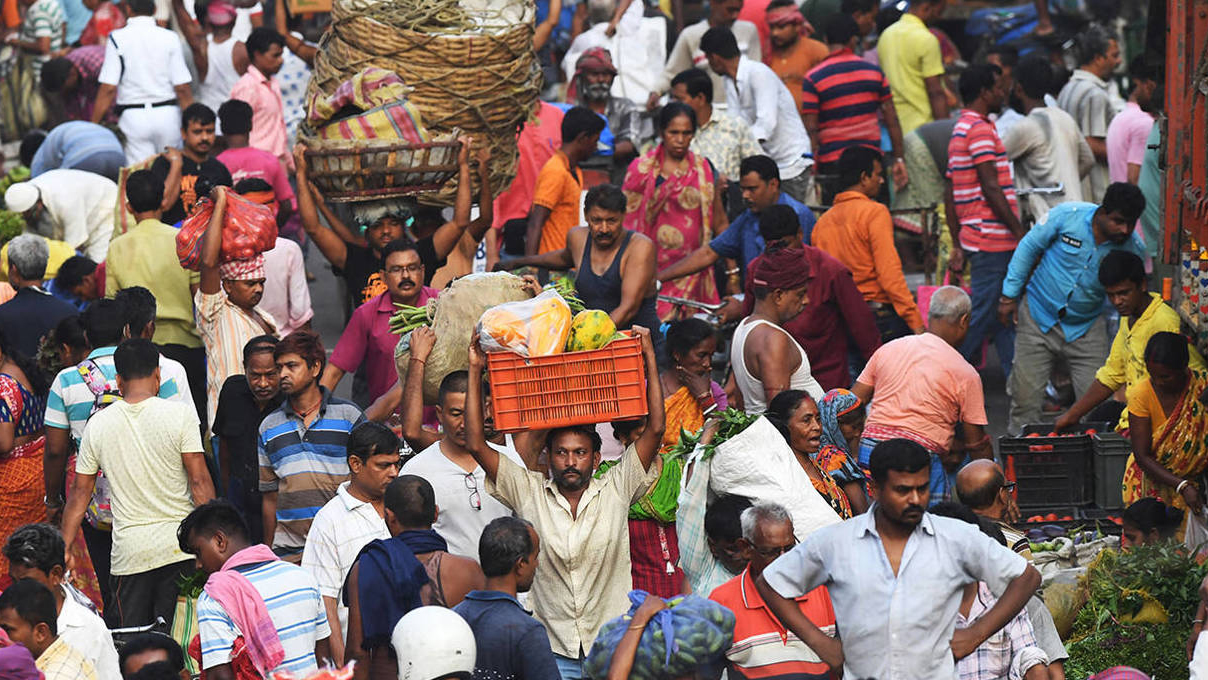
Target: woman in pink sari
(674, 198)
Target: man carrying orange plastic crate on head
(592, 547)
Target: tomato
(1051, 517)
(1117, 520)
(1054, 433)
(1035, 518)
(1034, 434)
(1066, 518)
(1092, 431)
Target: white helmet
(432, 643)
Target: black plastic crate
(1111, 457)
(1059, 513)
(1105, 520)
(1049, 471)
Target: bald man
(920, 387)
(983, 488)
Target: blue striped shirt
(291, 596)
(70, 401)
(304, 465)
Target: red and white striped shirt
(975, 141)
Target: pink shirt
(922, 385)
(1126, 138)
(368, 340)
(286, 295)
(538, 141)
(251, 163)
(268, 113)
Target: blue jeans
(570, 669)
(988, 271)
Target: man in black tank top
(614, 266)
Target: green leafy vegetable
(732, 423)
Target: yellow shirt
(146, 256)
(1125, 365)
(59, 252)
(61, 661)
(908, 53)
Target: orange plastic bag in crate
(248, 229)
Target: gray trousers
(800, 187)
(1035, 354)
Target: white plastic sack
(759, 464)
(1195, 536)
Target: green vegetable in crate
(566, 288)
(11, 225)
(590, 329)
(691, 634)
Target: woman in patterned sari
(1168, 425)
(795, 414)
(842, 417)
(22, 406)
(673, 198)
(653, 545)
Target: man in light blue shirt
(896, 575)
(74, 145)
(759, 179)
(1057, 265)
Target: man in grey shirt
(896, 576)
(1085, 98)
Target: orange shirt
(858, 232)
(792, 66)
(558, 190)
(763, 647)
(11, 15)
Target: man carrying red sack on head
(226, 305)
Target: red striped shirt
(846, 93)
(975, 141)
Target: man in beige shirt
(583, 578)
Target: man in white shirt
(74, 206)
(145, 73)
(1046, 146)
(150, 449)
(757, 95)
(36, 551)
(687, 52)
(456, 477)
(349, 521)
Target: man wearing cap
(68, 205)
(145, 73)
(592, 87)
(32, 311)
(226, 308)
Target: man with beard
(367, 340)
(793, 52)
(896, 575)
(302, 448)
(584, 578)
(457, 479)
(243, 403)
(183, 170)
(1057, 264)
(594, 74)
(225, 307)
(615, 267)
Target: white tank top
(750, 386)
(220, 76)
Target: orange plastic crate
(574, 388)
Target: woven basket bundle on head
(470, 64)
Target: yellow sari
(1179, 445)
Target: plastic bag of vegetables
(689, 634)
(531, 328)
(453, 316)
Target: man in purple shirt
(367, 339)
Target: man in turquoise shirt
(1057, 264)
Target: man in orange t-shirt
(556, 198)
(793, 53)
(763, 647)
(858, 232)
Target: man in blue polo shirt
(759, 179)
(511, 643)
(1057, 264)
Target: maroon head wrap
(780, 269)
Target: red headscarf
(780, 268)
